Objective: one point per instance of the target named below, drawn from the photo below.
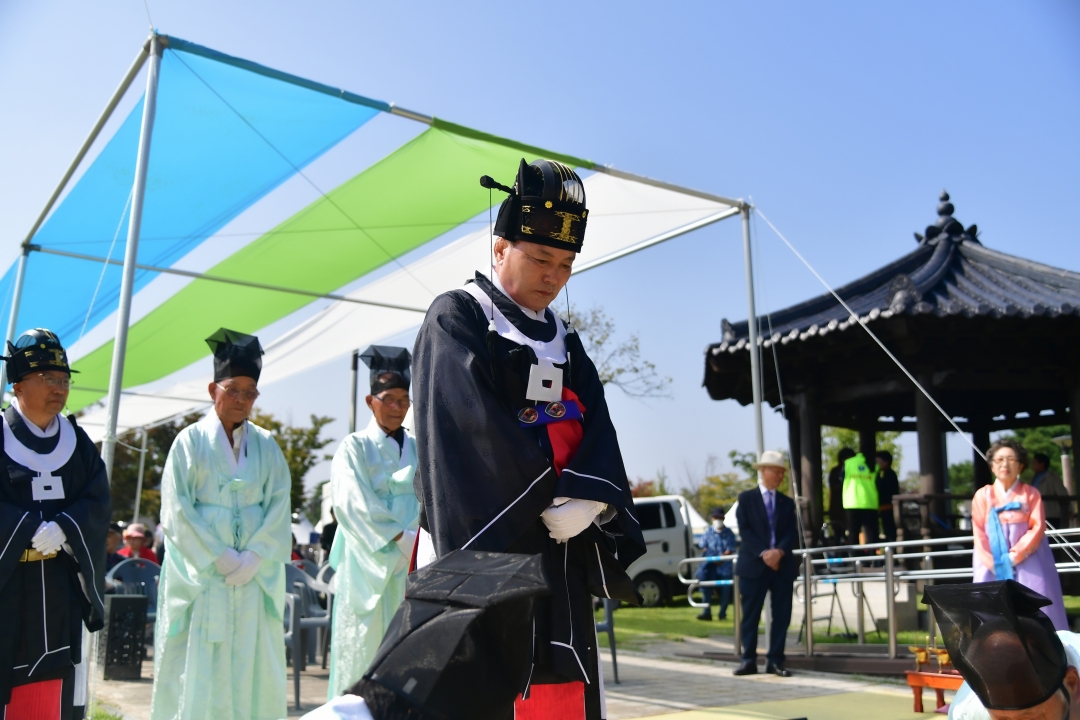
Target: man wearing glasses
(371, 483)
(219, 650)
(54, 518)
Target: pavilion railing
(891, 564)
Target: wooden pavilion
(991, 336)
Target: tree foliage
(619, 363)
(125, 472)
(1040, 440)
(300, 444)
(653, 487)
(721, 489)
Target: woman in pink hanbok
(1009, 521)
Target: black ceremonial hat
(1001, 642)
(389, 367)
(546, 206)
(236, 354)
(460, 646)
(36, 350)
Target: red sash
(566, 436)
(36, 701)
(565, 701)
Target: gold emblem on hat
(547, 204)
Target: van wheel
(652, 586)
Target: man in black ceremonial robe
(54, 518)
(517, 453)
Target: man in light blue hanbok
(371, 484)
(219, 650)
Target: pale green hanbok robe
(371, 484)
(219, 650)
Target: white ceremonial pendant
(545, 382)
(47, 487)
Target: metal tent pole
(94, 132)
(123, 316)
(755, 357)
(16, 299)
(139, 480)
(352, 397)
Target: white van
(671, 528)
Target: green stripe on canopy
(419, 192)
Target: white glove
(49, 538)
(249, 565)
(567, 518)
(227, 562)
(405, 542)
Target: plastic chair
(137, 576)
(307, 566)
(309, 614)
(325, 573)
(608, 626)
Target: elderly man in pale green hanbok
(371, 487)
(219, 650)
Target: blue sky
(841, 120)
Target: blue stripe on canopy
(214, 153)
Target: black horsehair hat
(236, 354)
(36, 350)
(1000, 641)
(546, 205)
(389, 367)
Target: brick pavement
(654, 683)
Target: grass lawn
(635, 627)
(100, 714)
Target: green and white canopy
(247, 199)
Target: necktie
(772, 521)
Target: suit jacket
(754, 528)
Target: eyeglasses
(234, 393)
(402, 404)
(1005, 461)
(55, 382)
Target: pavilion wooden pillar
(980, 435)
(931, 449)
(1074, 421)
(810, 463)
(795, 448)
(868, 440)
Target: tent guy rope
(874, 337)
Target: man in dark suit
(765, 562)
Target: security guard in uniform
(861, 500)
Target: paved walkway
(654, 683)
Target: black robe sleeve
(85, 521)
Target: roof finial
(945, 209)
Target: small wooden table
(940, 682)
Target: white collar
(1001, 488)
(764, 490)
(236, 452)
(52, 429)
(532, 314)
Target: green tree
(721, 489)
(125, 471)
(1040, 439)
(619, 363)
(300, 445)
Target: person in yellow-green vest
(861, 500)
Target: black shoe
(705, 616)
(746, 667)
(777, 670)
(723, 617)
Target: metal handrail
(889, 574)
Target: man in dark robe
(54, 516)
(517, 452)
